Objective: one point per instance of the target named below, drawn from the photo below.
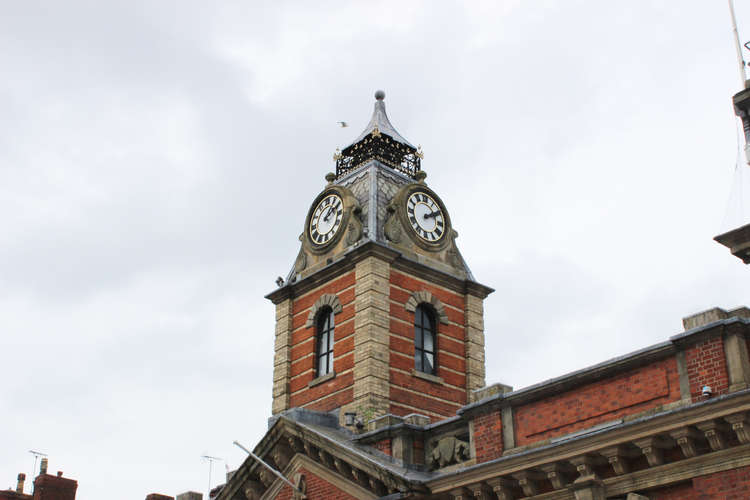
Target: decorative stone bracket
(326, 299)
(448, 451)
(425, 297)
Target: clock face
(326, 219)
(425, 217)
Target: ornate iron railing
(383, 148)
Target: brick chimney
(21, 480)
(49, 487)
(190, 495)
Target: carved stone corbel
(617, 458)
(584, 464)
(651, 447)
(528, 481)
(686, 438)
(266, 477)
(252, 489)
(714, 431)
(295, 444)
(310, 451)
(740, 426)
(361, 478)
(377, 486)
(481, 491)
(502, 488)
(461, 493)
(342, 467)
(281, 456)
(558, 474)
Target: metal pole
(36, 454)
(210, 469)
(278, 474)
(737, 45)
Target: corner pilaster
(475, 370)
(282, 356)
(371, 338)
(738, 364)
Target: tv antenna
(211, 461)
(36, 454)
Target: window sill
(321, 379)
(426, 376)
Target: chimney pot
(43, 466)
(21, 480)
(59, 473)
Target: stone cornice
(346, 262)
(704, 332)
(591, 443)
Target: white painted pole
(737, 46)
(278, 474)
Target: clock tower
(380, 313)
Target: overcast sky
(157, 160)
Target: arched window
(324, 348)
(424, 339)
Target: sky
(157, 161)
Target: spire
(379, 141)
(380, 122)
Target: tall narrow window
(424, 340)
(324, 349)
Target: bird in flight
(343, 124)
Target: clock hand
(328, 214)
(433, 214)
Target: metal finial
(379, 95)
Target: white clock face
(326, 219)
(425, 217)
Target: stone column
(738, 365)
(282, 356)
(474, 344)
(371, 338)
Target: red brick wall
(384, 446)
(727, 485)
(317, 488)
(591, 404)
(49, 487)
(707, 365)
(12, 495)
(339, 390)
(683, 491)
(488, 436)
(411, 394)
